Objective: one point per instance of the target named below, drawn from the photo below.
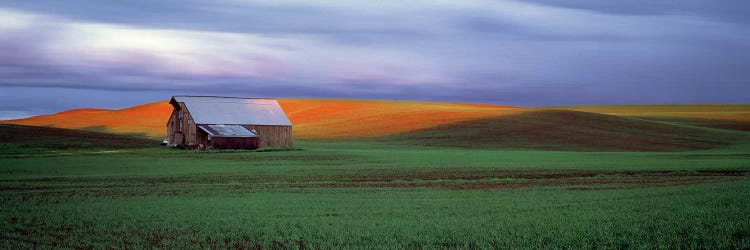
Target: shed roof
(232, 110)
(227, 131)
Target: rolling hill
(569, 130)
(336, 119)
(640, 128)
(148, 120)
(736, 117)
(312, 118)
(15, 137)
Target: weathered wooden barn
(228, 122)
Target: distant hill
(569, 130)
(312, 118)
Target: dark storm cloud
(539, 52)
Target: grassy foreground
(701, 216)
(374, 195)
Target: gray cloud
(540, 52)
(726, 10)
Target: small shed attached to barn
(228, 122)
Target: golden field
(347, 118)
(312, 118)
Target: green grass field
(370, 194)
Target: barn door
(179, 138)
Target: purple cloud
(540, 52)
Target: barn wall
(201, 137)
(191, 135)
(184, 131)
(250, 143)
(174, 133)
(190, 129)
(272, 136)
(170, 127)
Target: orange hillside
(328, 118)
(312, 118)
(149, 119)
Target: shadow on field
(569, 130)
(25, 137)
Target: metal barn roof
(227, 131)
(230, 110)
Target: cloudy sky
(57, 55)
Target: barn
(227, 123)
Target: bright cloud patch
(121, 51)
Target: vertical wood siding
(189, 127)
(250, 143)
(202, 137)
(272, 136)
(171, 126)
